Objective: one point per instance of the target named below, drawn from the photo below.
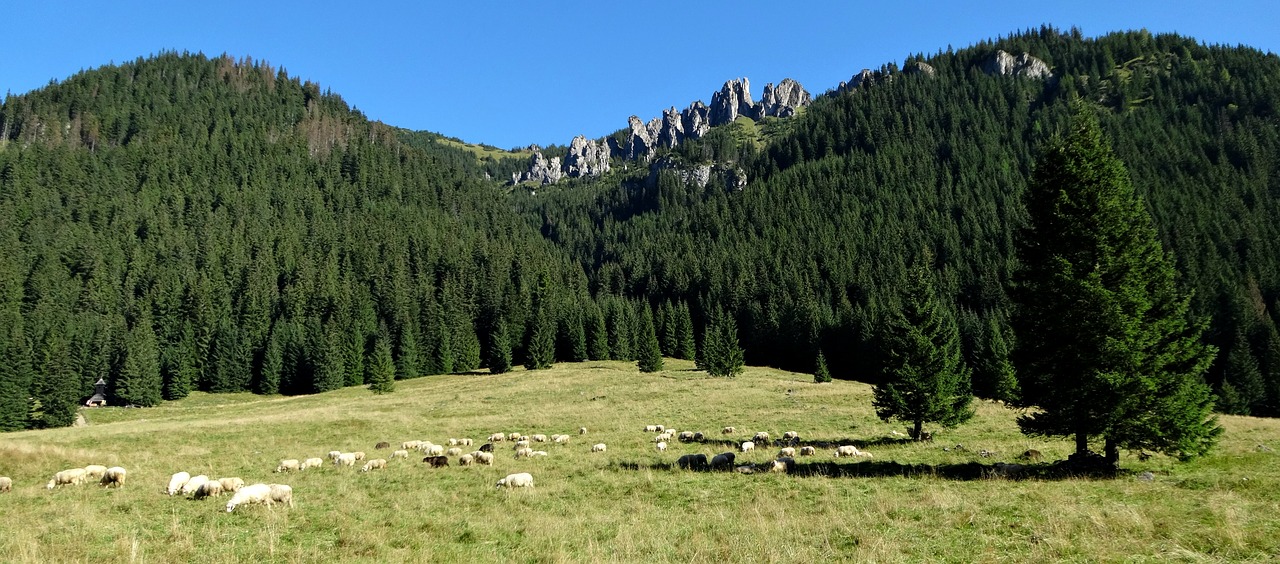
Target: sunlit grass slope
(908, 503)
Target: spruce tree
(353, 341)
(820, 373)
(722, 355)
(597, 333)
(15, 374)
(923, 375)
(540, 347)
(408, 363)
(137, 379)
(331, 365)
(382, 369)
(500, 348)
(1104, 344)
(56, 385)
(1242, 385)
(650, 352)
(268, 381)
(686, 346)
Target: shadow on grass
(1061, 470)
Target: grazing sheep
(208, 489)
(280, 493)
(232, 485)
(72, 477)
(94, 471)
(789, 452)
(663, 437)
(686, 436)
(728, 431)
(289, 464)
(599, 447)
(561, 439)
(485, 458)
(6, 484)
(194, 484)
(113, 477)
(434, 450)
(524, 452)
(454, 451)
(808, 451)
(524, 438)
(487, 447)
(745, 469)
(846, 450)
(790, 435)
(382, 445)
(699, 437)
(345, 459)
(748, 445)
(176, 482)
(466, 442)
(723, 460)
(311, 463)
(410, 445)
(400, 454)
(761, 437)
(538, 453)
(539, 438)
(582, 430)
(660, 428)
(466, 460)
(378, 463)
(436, 461)
(521, 480)
(519, 445)
(784, 464)
(662, 446)
(359, 455)
(334, 454)
(453, 442)
(257, 493)
(513, 436)
(497, 438)
(650, 428)
(692, 462)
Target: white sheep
(289, 465)
(176, 482)
(466, 442)
(662, 446)
(650, 428)
(485, 458)
(232, 485)
(70, 477)
(663, 437)
(513, 436)
(194, 484)
(524, 452)
(761, 437)
(521, 480)
(539, 438)
(345, 459)
(466, 460)
(748, 446)
(846, 450)
(560, 439)
(539, 453)
(453, 451)
(378, 463)
(257, 493)
(497, 438)
(520, 444)
(432, 450)
(524, 438)
(400, 454)
(94, 471)
(728, 431)
(789, 452)
(410, 445)
(6, 484)
(808, 451)
(782, 464)
(453, 442)
(686, 436)
(790, 435)
(209, 489)
(113, 476)
(280, 493)
(599, 447)
(359, 455)
(311, 463)
(334, 454)
(582, 430)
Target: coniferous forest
(182, 222)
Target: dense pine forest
(185, 223)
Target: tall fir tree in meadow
(722, 355)
(923, 375)
(821, 374)
(650, 353)
(1105, 347)
(686, 345)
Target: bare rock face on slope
(586, 158)
(1024, 65)
(784, 100)
(733, 100)
(919, 67)
(541, 170)
(697, 120)
(644, 137)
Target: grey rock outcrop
(644, 137)
(866, 77)
(586, 158)
(919, 67)
(733, 100)
(697, 120)
(784, 100)
(541, 171)
(697, 176)
(671, 131)
(1024, 65)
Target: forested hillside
(183, 222)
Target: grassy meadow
(911, 502)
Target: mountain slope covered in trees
(183, 222)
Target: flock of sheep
(437, 456)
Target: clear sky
(514, 73)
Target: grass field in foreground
(623, 505)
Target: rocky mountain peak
(733, 100)
(784, 100)
(1024, 65)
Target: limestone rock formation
(784, 100)
(541, 170)
(864, 78)
(671, 131)
(586, 158)
(644, 137)
(733, 100)
(919, 67)
(1024, 65)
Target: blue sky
(514, 73)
